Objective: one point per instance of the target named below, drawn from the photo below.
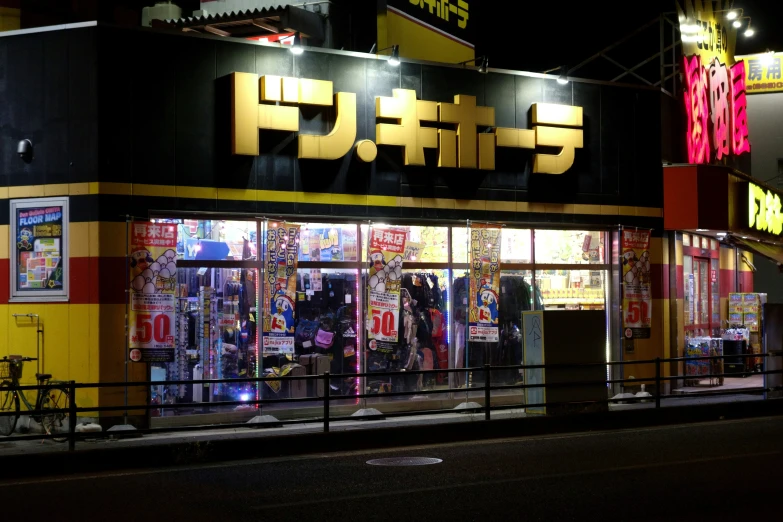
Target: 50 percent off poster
(386, 249)
(637, 298)
(153, 280)
(281, 256)
(484, 283)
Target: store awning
(768, 250)
(253, 23)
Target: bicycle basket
(10, 369)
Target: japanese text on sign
(557, 127)
(764, 210)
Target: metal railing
(328, 397)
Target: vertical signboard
(281, 256)
(637, 298)
(153, 282)
(484, 283)
(533, 350)
(386, 248)
(39, 245)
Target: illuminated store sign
(764, 208)
(715, 97)
(461, 142)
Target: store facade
(322, 211)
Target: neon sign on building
(715, 98)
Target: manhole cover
(404, 461)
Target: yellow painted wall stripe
(283, 196)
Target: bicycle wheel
(9, 402)
(56, 423)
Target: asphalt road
(728, 470)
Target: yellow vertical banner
(484, 283)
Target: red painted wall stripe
(92, 280)
(727, 282)
(746, 282)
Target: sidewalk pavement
(23, 459)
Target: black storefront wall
(143, 107)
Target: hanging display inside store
(637, 298)
(38, 243)
(385, 257)
(484, 283)
(153, 281)
(281, 255)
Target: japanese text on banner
(637, 297)
(281, 255)
(385, 257)
(153, 281)
(484, 283)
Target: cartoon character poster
(39, 241)
(153, 282)
(386, 248)
(484, 283)
(281, 256)
(637, 297)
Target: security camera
(25, 150)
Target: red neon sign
(716, 107)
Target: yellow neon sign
(764, 210)
(269, 102)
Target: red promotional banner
(153, 281)
(637, 297)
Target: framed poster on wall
(39, 249)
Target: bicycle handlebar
(24, 359)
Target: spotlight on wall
(394, 57)
(25, 150)
(563, 79)
(483, 67)
(732, 15)
(297, 48)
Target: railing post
(657, 382)
(72, 416)
(327, 390)
(487, 392)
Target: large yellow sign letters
(463, 132)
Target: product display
(281, 298)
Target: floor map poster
(484, 283)
(153, 284)
(386, 248)
(637, 298)
(281, 255)
(39, 248)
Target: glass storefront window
(569, 247)
(459, 245)
(572, 289)
(515, 246)
(215, 239)
(216, 336)
(423, 244)
(324, 242)
(686, 240)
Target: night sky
(535, 36)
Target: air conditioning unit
(160, 11)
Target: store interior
(220, 316)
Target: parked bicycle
(52, 400)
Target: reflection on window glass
(459, 244)
(214, 239)
(515, 246)
(569, 247)
(328, 242)
(572, 289)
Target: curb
(289, 445)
